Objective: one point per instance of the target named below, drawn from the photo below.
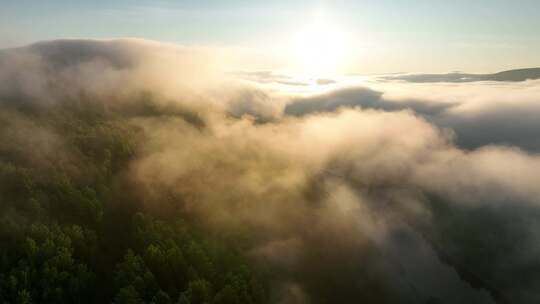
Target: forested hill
(74, 230)
(506, 76)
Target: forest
(74, 232)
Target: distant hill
(511, 75)
(515, 75)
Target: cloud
(358, 97)
(348, 184)
(269, 77)
(479, 114)
(324, 81)
(55, 70)
(353, 193)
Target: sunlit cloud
(350, 171)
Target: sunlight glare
(320, 48)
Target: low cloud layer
(378, 192)
(480, 114)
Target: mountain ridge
(514, 75)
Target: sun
(320, 48)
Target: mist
(377, 191)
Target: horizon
(516, 68)
(439, 36)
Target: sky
(382, 36)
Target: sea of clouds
(354, 188)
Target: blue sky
(389, 36)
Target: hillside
(511, 76)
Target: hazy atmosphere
(287, 152)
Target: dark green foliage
(172, 263)
(72, 231)
(42, 269)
